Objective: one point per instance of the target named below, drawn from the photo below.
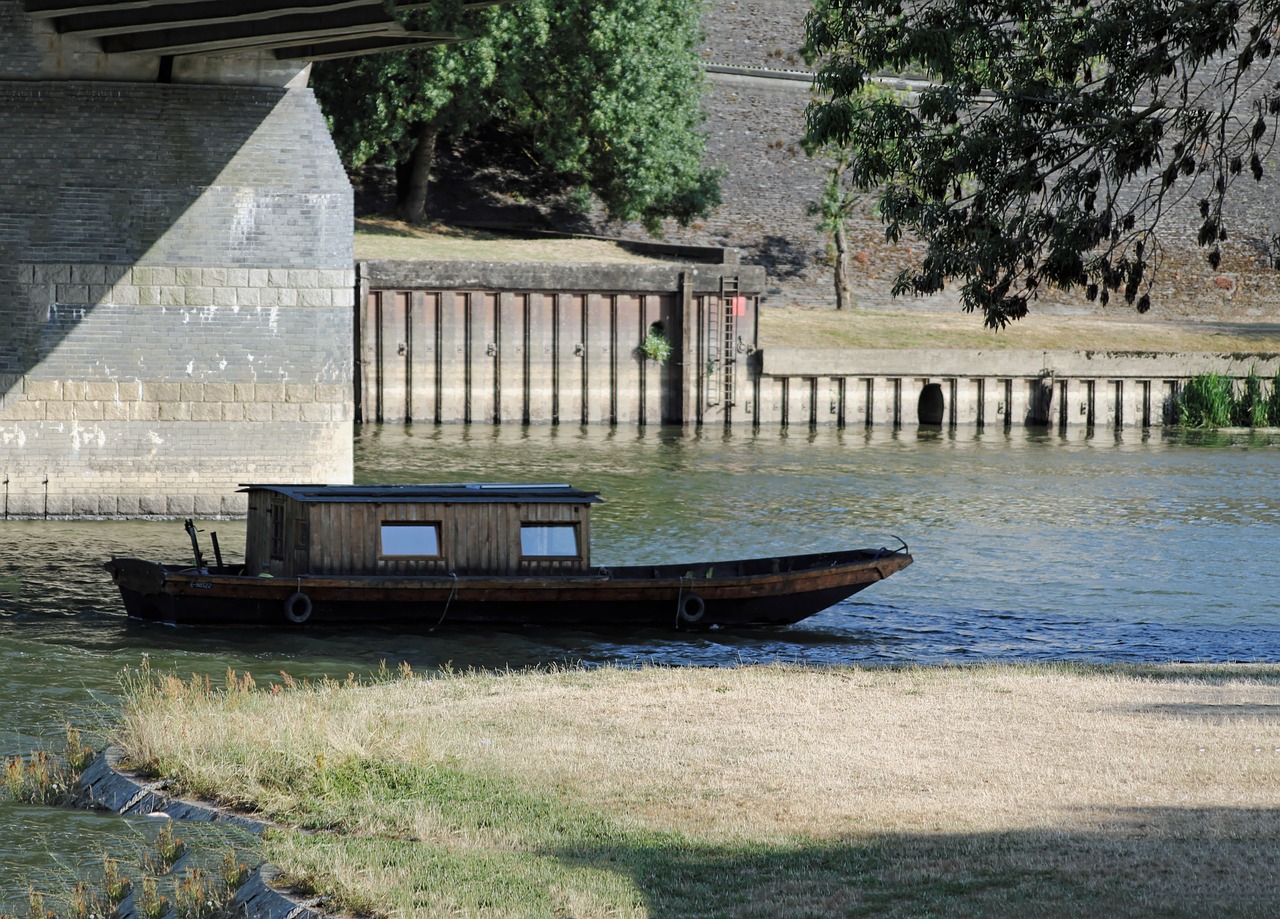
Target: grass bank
(760, 791)
(382, 238)
(796, 327)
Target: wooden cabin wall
(499, 553)
(346, 539)
(258, 554)
(255, 547)
(475, 538)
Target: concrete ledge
(105, 785)
(555, 277)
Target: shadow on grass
(1157, 862)
(486, 845)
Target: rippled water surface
(1028, 546)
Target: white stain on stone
(90, 436)
(244, 222)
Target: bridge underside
(176, 271)
(289, 30)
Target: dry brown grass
(797, 327)
(773, 752)
(1031, 784)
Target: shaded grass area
(605, 871)
(761, 791)
(384, 238)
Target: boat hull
(774, 591)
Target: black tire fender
(297, 609)
(692, 608)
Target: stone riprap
(105, 785)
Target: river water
(1028, 546)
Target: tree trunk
(411, 204)
(842, 265)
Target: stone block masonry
(176, 288)
(140, 404)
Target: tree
(1047, 138)
(605, 95)
(834, 208)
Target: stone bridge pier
(176, 270)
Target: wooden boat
(428, 555)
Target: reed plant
(115, 884)
(164, 851)
(44, 777)
(198, 895)
(1207, 401)
(1250, 408)
(150, 903)
(1273, 401)
(1215, 401)
(992, 791)
(89, 902)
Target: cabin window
(549, 540)
(411, 540)
(302, 531)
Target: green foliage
(1214, 401)
(655, 345)
(1048, 138)
(603, 95)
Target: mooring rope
(452, 594)
(680, 594)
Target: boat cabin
(417, 530)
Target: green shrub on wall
(655, 345)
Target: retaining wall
(1066, 389)
(754, 125)
(477, 342)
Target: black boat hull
(752, 592)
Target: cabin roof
(474, 493)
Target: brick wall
(18, 54)
(176, 286)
